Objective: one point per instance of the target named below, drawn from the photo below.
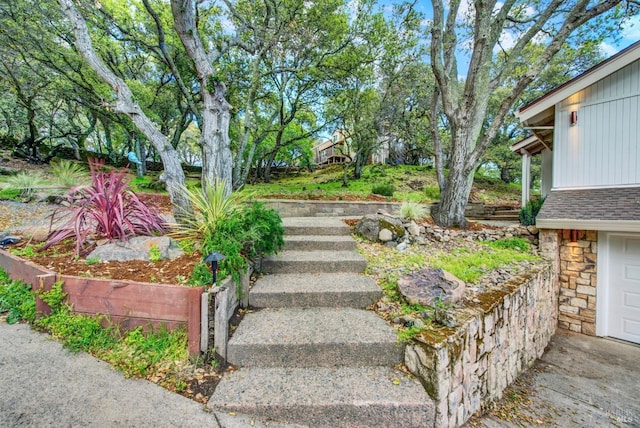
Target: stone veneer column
(577, 276)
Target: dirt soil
(61, 258)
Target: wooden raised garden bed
(128, 303)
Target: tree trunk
(173, 175)
(453, 200)
(455, 194)
(217, 162)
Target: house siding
(602, 148)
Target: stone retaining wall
(295, 208)
(500, 336)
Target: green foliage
(201, 275)
(223, 223)
(470, 264)
(154, 254)
(92, 261)
(135, 353)
(54, 298)
(140, 354)
(383, 189)
(187, 245)
(251, 231)
(77, 332)
(16, 300)
(407, 334)
(26, 182)
(211, 205)
(432, 192)
(517, 243)
(27, 251)
(10, 194)
(530, 211)
(68, 174)
(412, 210)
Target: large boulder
(371, 225)
(137, 248)
(430, 286)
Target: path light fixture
(214, 258)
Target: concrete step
(319, 243)
(314, 337)
(321, 397)
(314, 290)
(315, 226)
(314, 262)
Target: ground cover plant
(158, 355)
(470, 261)
(410, 183)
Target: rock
(428, 286)
(371, 225)
(413, 229)
(137, 248)
(385, 235)
(401, 246)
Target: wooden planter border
(127, 303)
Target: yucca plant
(68, 174)
(105, 209)
(26, 182)
(210, 205)
(412, 210)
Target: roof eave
(604, 225)
(589, 77)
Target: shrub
(384, 189)
(252, 231)
(26, 182)
(412, 210)
(432, 192)
(68, 174)
(16, 300)
(105, 209)
(530, 211)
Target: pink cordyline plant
(105, 209)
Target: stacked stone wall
(496, 340)
(577, 277)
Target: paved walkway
(44, 385)
(580, 382)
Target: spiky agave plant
(105, 209)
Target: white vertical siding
(602, 148)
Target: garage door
(624, 287)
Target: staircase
(312, 355)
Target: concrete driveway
(580, 381)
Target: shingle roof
(610, 204)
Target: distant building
(337, 149)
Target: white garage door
(624, 287)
